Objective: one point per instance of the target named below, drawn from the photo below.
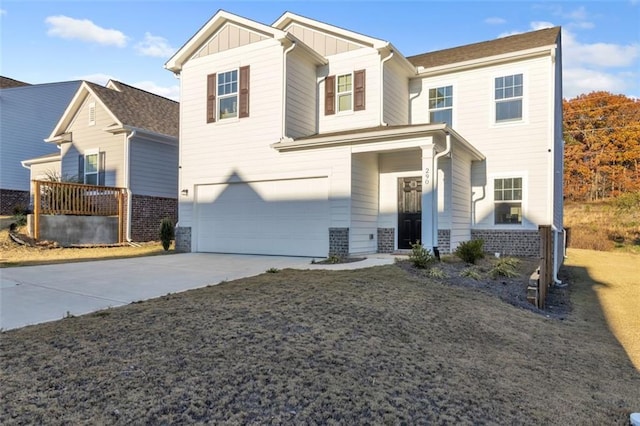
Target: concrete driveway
(37, 294)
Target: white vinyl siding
(361, 59)
(460, 199)
(302, 97)
(396, 95)
(364, 203)
(154, 170)
(474, 118)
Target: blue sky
(45, 41)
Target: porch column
(429, 198)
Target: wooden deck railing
(65, 198)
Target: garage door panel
(287, 217)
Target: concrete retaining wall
(67, 230)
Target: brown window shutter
(330, 95)
(211, 98)
(358, 90)
(243, 104)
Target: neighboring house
(28, 113)
(120, 136)
(302, 138)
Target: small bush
(470, 251)
(505, 267)
(471, 273)
(167, 233)
(437, 273)
(273, 270)
(628, 201)
(420, 256)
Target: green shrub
(505, 267)
(628, 201)
(437, 273)
(470, 251)
(167, 233)
(472, 273)
(420, 256)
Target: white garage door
(283, 217)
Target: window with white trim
(441, 105)
(91, 167)
(92, 113)
(508, 97)
(227, 91)
(344, 92)
(507, 196)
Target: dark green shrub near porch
(470, 251)
(167, 233)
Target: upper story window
(508, 97)
(92, 113)
(441, 105)
(345, 92)
(507, 195)
(228, 94)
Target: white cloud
(85, 30)
(494, 20)
(3, 12)
(155, 46)
(605, 55)
(171, 92)
(577, 81)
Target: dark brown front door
(409, 211)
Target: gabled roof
(485, 49)
(130, 108)
(8, 83)
(216, 22)
(289, 18)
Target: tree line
(602, 146)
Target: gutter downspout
(434, 213)
(127, 182)
(284, 90)
(556, 281)
(382, 122)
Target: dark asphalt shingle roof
(8, 83)
(138, 108)
(509, 44)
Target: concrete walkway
(37, 294)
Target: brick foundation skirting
(147, 212)
(444, 240)
(183, 239)
(11, 199)
(339, 242)
(524, 243)
(386, 240)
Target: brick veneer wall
(147, 212)
(444, 240)
(510, 243)
(339, 242)
(183, 239)
(11, 199)
(386, 240)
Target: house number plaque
(426, 176)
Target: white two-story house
(302, 138)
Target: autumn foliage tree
(602, 146)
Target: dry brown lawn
(12, 254)
(373, 346)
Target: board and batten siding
(362, 59)
(512, 148)
(239, 150)
(364, 203)
(86, 137)
(154, 168)
(29, 114)
(302, 95)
